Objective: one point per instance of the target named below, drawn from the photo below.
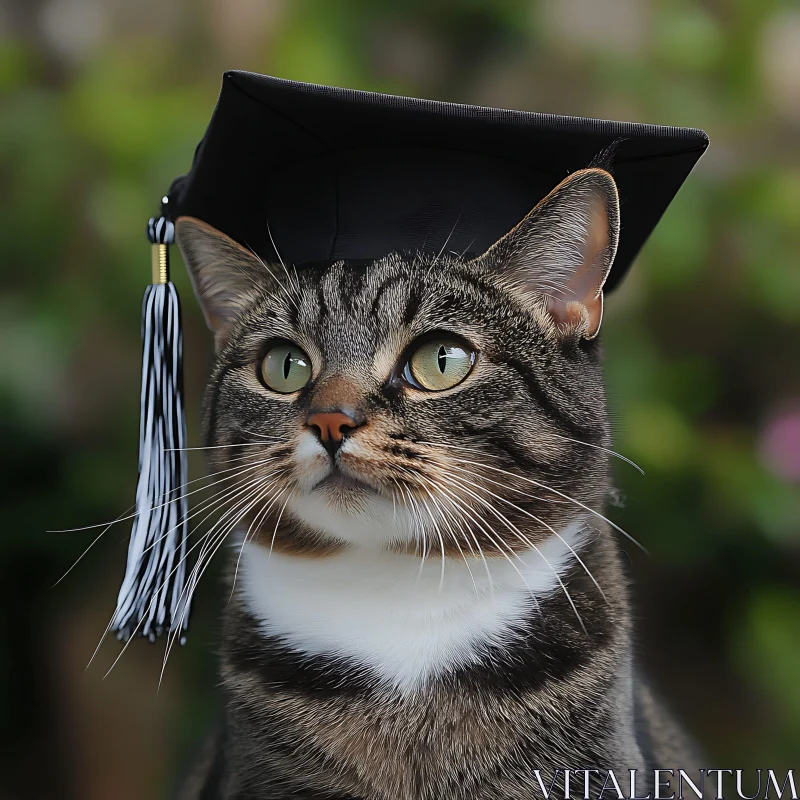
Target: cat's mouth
(338, 481)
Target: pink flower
(780, 445)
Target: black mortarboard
(320, 174)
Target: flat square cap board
(334, 174)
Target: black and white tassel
(154, 597)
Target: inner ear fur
(226, 277)
(563, 250)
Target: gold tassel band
(160, 259)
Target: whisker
(153, 508)
(200, 541)
(498, 543)
(296, 284)
(525, 540)
(111, 524)
(454, 535)
(289, 297)
(267, 441)
(277, 523)
(207, 553)
(483, 524)
(522, 491)
(467, 529)
(228, 498)
(403, 500)
(239, 513)
(261, 434)
(604, 449)
(464, 251)
(538, 520)
(546, 488)
(254, 526)
(419, 531)
(417, 526)
(447, 240)
(254, 483)
(416, 523)
(141, 621)
(197, 574)
(441, 541)
(229, 493)
(203, 504)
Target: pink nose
(331, 425)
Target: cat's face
(424, 404)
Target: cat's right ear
(225, 276)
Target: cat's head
(421, 402)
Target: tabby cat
(427, 601)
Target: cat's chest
(444, 745)
(404, 621)
(360, 679)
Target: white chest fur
(379, 610)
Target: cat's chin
(351, 511)
(340, 483)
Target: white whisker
(525, 540)
(277, 523)
(604, 449)
(254, 526)
(231, 497)
(498, 542)
(241, 510)
(541, 486)
(296, 284)
(447, 240)
(535, 519)
(274, 277)
(266, 441)
(153, 508)
(453, 533)
(441, 541)
(109, 525)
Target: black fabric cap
(332, 174)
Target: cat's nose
(331, 427)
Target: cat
(427, 603)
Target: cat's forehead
(365, 294)
(356, 307)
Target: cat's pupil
(287, 364)
(442, 359)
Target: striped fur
(450, 613)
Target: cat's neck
(406, 619)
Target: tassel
(154, 596)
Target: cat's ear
(225, 276)
(562, 251)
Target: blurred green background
(103, 102)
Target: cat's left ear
(562, 251)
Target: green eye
(286, 368)
(439, 364)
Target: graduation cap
(315, 174)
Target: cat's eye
(439, 364)
(286, 368)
